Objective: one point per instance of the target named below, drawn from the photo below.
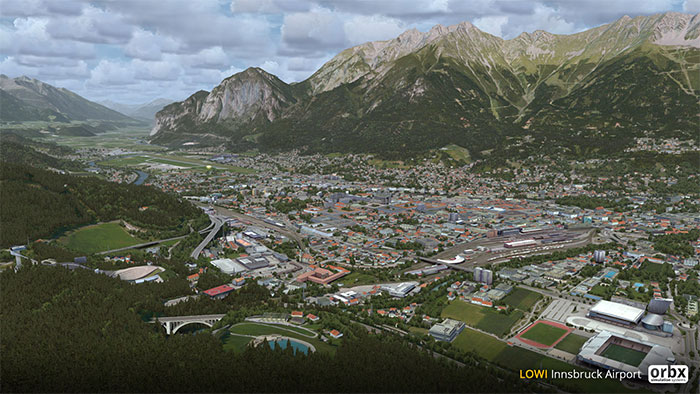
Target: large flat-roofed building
(228, 266)
(616, 313)
(447, 330)
(399, 290)
(219, 291)
(620, 353)
(253, 263)
(323, 276)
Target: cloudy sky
(133, 51)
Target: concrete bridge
(174, 323)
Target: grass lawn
(571, 344)
(522, 299)
(257, 329)
(357, 278)
(544, 334)
(418, 330)
(457, 152)
(123, 161)
(485, 346)
(624, 355)
(235, 343)
(483, 318)
(516, 358)
(379, 163)
(99, 237)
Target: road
(143, 245)
(298, 238)
(218, 222)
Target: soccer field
(572, 343)
(99, 237)
(483, 318)
(544, 334)
(624, 355)
(522, 299)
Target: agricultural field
(522, 299)
(486, 319)
(571, 343)
(99, 238)
(544, 334)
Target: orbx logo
(667, 374)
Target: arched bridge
(174, 323)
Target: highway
(218, 222)
(143, 245)
(291, 234)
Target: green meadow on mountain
(582, 94)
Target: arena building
(620, 353)
(616, 313)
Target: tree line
(38, 203)
(86, 335)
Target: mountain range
(581, 94)
(145, 112)
(28, 99)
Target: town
(452, 260)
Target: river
(142, 177)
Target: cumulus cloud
(28, 36)
(361, 28)
(691, 6)
(92, 25)
(147, 45)
(312, 32)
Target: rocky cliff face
(457, 84)
(251, 95)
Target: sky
(133, 51)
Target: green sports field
(544, 334)
(484, 345)
(571, 344)
(522, 299)
(483, 318)
(99, 238)
(516, 358)
(624, 355)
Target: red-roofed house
(336, 334)
(219, 291)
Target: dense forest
(77, 331)
(17, 149)
(40, 203)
